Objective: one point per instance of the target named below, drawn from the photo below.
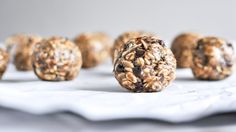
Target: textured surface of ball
(213, 59)
(23, 52)
(145, 65)
(56, 59)
(182, 47)
(95, 48)
(122, 39)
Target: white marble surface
(15, 121)
(97, 96)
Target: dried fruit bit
(56, 59)
(182, 47)
(213, 59)
(150, 71)
(95, 48)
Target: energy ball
(3, 62)
(182, 47)
(122, 39)
(213, 59)
(95, 48)
(12, 41)
(56, 59)
(145, 65)
(23, 52)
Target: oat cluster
(4, 57)
(56, 59)
(213, 59)
(145, 65)
(95, 48)
(182, 47)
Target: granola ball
(56, 59)
(122, 39)
(95, 48)
(213, 59)
(23, 52)
(3, 61)
(182, 47)
(12, 41)
(145, 65)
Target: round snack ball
(95, 48)
(3, 61)
(56, 59)
(213, 59)
(23, 52)
(122, 39)
(145, 65)
(13, 41)
(182, 47)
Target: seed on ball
(151, 70)
(56, 59)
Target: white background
(166, 18)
